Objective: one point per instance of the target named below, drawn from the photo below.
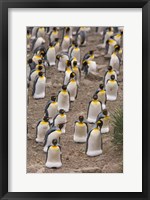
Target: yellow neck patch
(44, 123)
(64, 92)
(92, 56)
(41, 77)
(73, 81)
(66, 36)
(54, 147)
(95, 102)
(79, 123)
(102, 91)
(59, 131)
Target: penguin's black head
(107, 42)
(56, 39)
(112, 77)
(51, 44)
(61, 126)
(72, 75)
(81, 118)
(58, 57)
(39, 67)
(95, 97)
(42, 53)
(109, 29)
(105, 112)
(68, 63)
(101, 86)
(91, 52)
(75, 63)
(109, 68)
(117, 47)
(99, 123)
(54, 29)
(40, 73)
(121, 32)
(40, 62)
(75, 44)
(30, 61)
(45, 118)
(54, 142)
(61, 111)
(28, 32)
(85, 63)
(64, 87)
(53, 98)
(67, 29)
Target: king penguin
(51, 55)
(114, 61)
(104, 116)
(94, 140)
(66, 40)
(67, 72)
(94, 109)
(64, 99)
(60, 118)
(112, 88)
(62, 60)
(53, 133)
(53, 34)
(41, 32)
(77, 71)
(80, 130)
(42, 127)
(40, 63)
(33, 74)
(75, 53)
(72, 87)
(101, 93)
(108, 74)
(53, 156)
(51, 109)
(39, 86)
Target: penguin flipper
(34, 85)
(89, 133)
(37, 126)
(31, 74)
(47, 105)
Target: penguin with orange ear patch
(112, 89)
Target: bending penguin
(62, 60)
(72, 87)
(52, 133)
(81, 130)
(60, 118)
(112, 89)
(101, 93)
(53, 156)
(42, 127)
(51, 109)
(104, 116)
(94, 108)
(94, 140)
(39, 86)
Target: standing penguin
(51, 55)
(60, 118)
(67, 72)
(81, 36)
(107, 34)
(72, 87)
(94, 109)
(114, 61)
(53, 157)
(56, 45)
(42, 127)
(76, 53)
(94, 140)
(51, 109)
(38, 42)
(41, 32)
(39, 86)
(66, 40)
(109, 73)
(101, 93)
(53, 133)
(77, 71)
(81, 130)
(53, 34)
(64, 99)
(104, 116)
(112, 88)
(33, 74)
(62, 60)
(111, 43)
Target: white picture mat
(131, 179)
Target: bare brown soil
(74, 158)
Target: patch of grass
(117, 122)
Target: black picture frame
(4, 6)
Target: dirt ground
(74, 159)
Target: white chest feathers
(39, 90)
(80, 133)
(53, 157)
(93, 111)
(63, 101)
(111, 90)
(94, 146)
(73, 89)
(41, 130)
(51, 56)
